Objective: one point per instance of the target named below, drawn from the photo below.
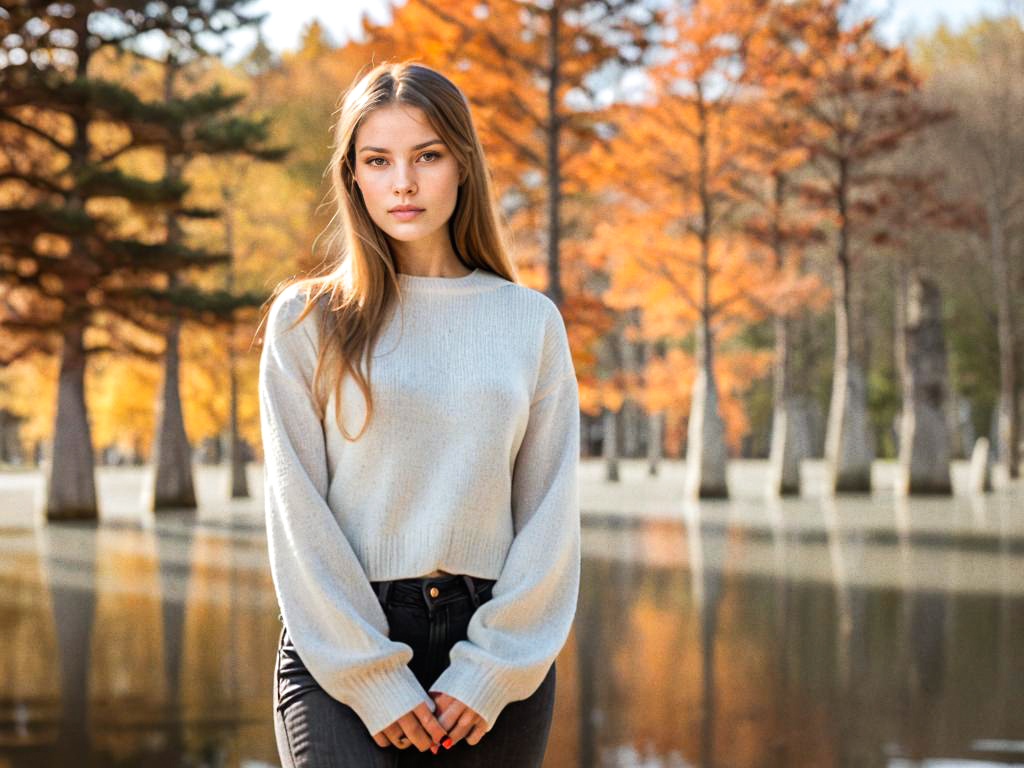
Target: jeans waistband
(434, 590)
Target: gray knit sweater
(469, 465)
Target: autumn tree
(856, 101)
(785, 230)
(678, 248)
(533, 73)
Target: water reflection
(777, 641)
(132, 645)
(874, 631)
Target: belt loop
(471, 585)
(383, 590)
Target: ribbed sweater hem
(381, 696)
(413, 553)
(486, 689)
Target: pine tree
(69, 267)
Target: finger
(430, 723)
(397, 736)
(477, 733)
(463, 726)
(449, 715)
(441, 702)
(381, 739)
(414, 730)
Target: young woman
(426, 566)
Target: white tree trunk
(791, 444)
(980, 480)
(791, 436)
(848, 450)
(706, 453)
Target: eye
(372, 160)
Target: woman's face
(400, 160)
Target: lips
(406, 214)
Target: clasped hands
(419, 727)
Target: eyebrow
(418, 146)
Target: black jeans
(315, 730)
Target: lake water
(854, 631)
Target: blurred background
(787, 239)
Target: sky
(288, 18)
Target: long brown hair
(361, 282)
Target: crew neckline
(472, 281)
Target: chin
(411, 235)
(406, 237)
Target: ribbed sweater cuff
(484, 689)
(381, 696)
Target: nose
(404, 182)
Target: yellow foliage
(28, 388)
(120, 394)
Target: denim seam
(287, 739)
(280, 712)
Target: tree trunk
(609, 365)
(924, 455)
(980, 480)
(1008, 443)
(847, 444)
(172, 457)
(632, 412)
(554, 124)
(790, 442)
(71, 487)
(239, 483)
(655, 416)
(655, 438)
(706, 453)
(791, 439)
(609, 445)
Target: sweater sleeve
(329, 607)
(513, 638)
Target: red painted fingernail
(447, 743)
(433, 749)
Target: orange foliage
(668, 233)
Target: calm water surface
(862, 631)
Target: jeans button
(434, 592)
